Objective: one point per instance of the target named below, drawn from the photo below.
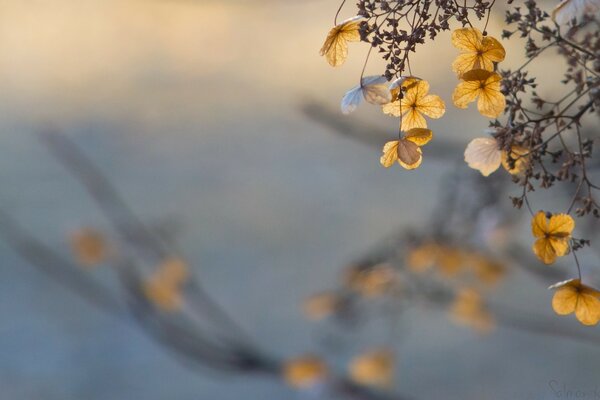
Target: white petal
(351, 100)
(483, 155)
(374, 89)
(398, 82)
(377, 94)
(352, 19)
(560, 284)
(569, 10)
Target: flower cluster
(536, 138)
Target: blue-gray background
(192, 109)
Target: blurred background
(194, 110)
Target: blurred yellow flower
(468, 309)
(478, 51)
(407, 150)
(450, 260)
(414, 103)
(163, 288)
(422, 257)
(574, 297)
(488, 271)
(485, 85)
(335, 48)
(320, 306)
(89, 247)
(304, 372)
(552, 235)
(374, 281)
(374, 368)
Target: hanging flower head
(553, 235)
(478, 51)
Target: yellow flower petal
(485, 85)
(564, 300)
(479, 52)
(543, 249)
(467, 39)
(419, 136)
(465, 93)
(465, 62)
(411, 119)
(491, 101)
(539, 224)
(492, 51)
(588, 309)
(390, 154)
(573, 296)
(393, 108)
(561, 225)
(409, 154)
(335, 48)
(559, 245)
(432, 106)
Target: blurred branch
(56, 267)
(177, 332)
(143, 240)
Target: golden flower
(449, 260)
(478, 51)
(422, 257)
(335, 48)
(304, 372)
(520, 158)
(574, 297)
(485, 85)
(407, 150)
(374, 368)
(89, 247)
(468, 309)
(489, 271)
(163, 288)
(552, 235)
(415, 103)
(375, 280)
(320, 306)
